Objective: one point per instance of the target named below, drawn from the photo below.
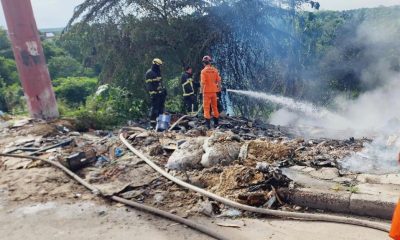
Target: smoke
(374, 111)
(374, 114)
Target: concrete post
(29, 56)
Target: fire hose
(274, 213)
(155, 211)
(183, 117)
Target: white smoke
(374, 114)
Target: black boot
(208, 123)
(216, 122)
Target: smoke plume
(374, 114)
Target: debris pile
(241, 161)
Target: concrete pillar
(29, 56)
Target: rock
(132, 194)
(159, 198)
(187, 156)
(220, 150)
(209, 208)
(230, 212)
(326, 173)
(297, 208)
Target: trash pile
(240, 160)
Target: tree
(5, 45)
(74, 90)
(64, 66)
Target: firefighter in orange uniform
(395, 231)
(210, 85)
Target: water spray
(289, 103)
(377, 157)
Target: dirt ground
(102, 221)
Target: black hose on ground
(275, 213)
(191, 224)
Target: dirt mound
(267, 151)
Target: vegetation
(257, 44)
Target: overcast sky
(56, 13)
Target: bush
(107, 108)
(51, 50)
(74, 90)
(8, 71)
(12, 99)
(64, 66)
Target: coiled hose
(96, 191)
(275, 213)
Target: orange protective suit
(210, 81)
(395, 231)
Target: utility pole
(31, 63)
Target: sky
(56, 13)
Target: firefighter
(210, 85)
(156, 90)
(189, 97)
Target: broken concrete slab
(304, 179)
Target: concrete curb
(379, 206)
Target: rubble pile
(326, 152)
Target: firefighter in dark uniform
(188, 91)
(156, 90)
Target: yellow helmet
(157, 61)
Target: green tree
(74, 90)
(64, 66)
(5, 45)
(51, 49)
